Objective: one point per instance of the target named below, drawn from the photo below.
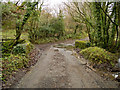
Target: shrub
(42, 32)
(23, 48)
(18, 49)
(99, 56)
(81, 44)
(88, 44)
(6, 47)
(28, 47)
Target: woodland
(27, 23)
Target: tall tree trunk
(97, 16)
(89, 35)
(26, 16)
(116, 20)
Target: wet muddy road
(59, 68)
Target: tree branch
(108, 16)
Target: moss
(81, 44)
(99, 56)
(29, 46)
(69, 47)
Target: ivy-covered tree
(101, 20)
(20, 24)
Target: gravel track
(58, 68)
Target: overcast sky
(54, 5)
(52, 2)
(55, 2)
(49, 3)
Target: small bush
(29, 47)
(81, 44)
(99, 56)
(22, 48)
(6, 48)
(18, 49)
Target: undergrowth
(82, 44)
(14, 58)
(55, 39)
(12, 64)
(100, 57)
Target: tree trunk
(76, 29)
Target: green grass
(10, 34)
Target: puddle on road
(68, 48)
(62, 50)
(62, 45)
(68, 52)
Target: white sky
(54, 5)
(51, 4)
(55, 2)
